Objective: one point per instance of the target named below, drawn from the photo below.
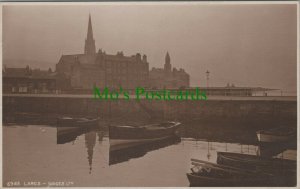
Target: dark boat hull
(119, 155)
(253, 162)
(283, 170)
(144, 132)
(118, 144)
(207, 181)
(210, 174)
(76, 122)
(69, 134)
(276, 135)
(69, 128)
(121, 137)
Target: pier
(220, 106)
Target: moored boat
(270, 149)
(211, 174)
(284, 170)
(122, 155)
(76, 122)
(69, 134)
(253, 162)
(67, 126)
(121, 137)
(281, 134)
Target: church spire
(168, 65)
(90, 47)
(90, 29)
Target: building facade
(103, 70)
(167, 78)
(27, 80)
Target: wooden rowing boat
(121, 137)
(211, 174)
(281, 134)
(283, 169)
(64, 136)
(76, 122)
(69, 128)
(252, 161)
(122, 155)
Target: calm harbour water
(32, 154)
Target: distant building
(168, 78)
(26, 80)
(103, 70)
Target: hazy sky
(248, 45)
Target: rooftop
(28, 73)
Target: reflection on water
(90, 141)
(41, 153)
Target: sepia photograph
(150, 94)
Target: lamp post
(207, 78)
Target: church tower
(167, 66)
(90, 47)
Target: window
(22, 89)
